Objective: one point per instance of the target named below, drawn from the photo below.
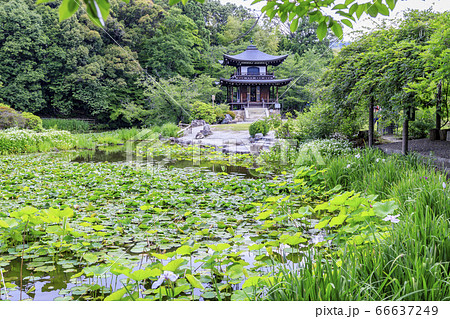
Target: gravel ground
(438, 151)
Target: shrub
(274, 121)
(169, 130)
(258, 127)
(421, 126)
(204, 111)
(317, 123)
(32, 122)
(232, 114)
(10, 117)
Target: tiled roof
(253, 56)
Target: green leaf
(372, 11)
(194, 282)
(219, 247)
(322, 224)
(174, 264)
(90, 258)
(384, 209)
(339, 220)
(43, 1)
(142, 274)
(322, 30)
(294, 25)
(382, 9)
(67, 9)
(349, 24)
(45, 268)
(250, 282)
(391, 4)
(115, 296)
(337, 30)
(235, 271)
(339, 6)
(173, 2)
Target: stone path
(437, 151)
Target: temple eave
(277, 82)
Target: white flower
(392, 219)
(377, 160)
(444, 186)
(348, 166)
(166, 275)
(357, 155)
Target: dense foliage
(149, 63)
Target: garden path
(438, 151)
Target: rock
(199, 135)
(196, 123)
(259, 136)
(252, 140)
(227, 119)
(206, 130)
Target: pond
(81, 225)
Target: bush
(32, 122)
(424, 122)
(317, 123)
(169, 130)
(10, 117)
(232, 114)
(204, 111)
(258, 127)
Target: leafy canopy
(350, 10)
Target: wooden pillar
(405, 136)
(232, 94)
(371, 124)
(277, 94)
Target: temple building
(251, 86)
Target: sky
(364, 23)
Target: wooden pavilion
(251, 85)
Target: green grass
(413, 263)
(71, 125)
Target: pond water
(55, 282)
(118, 154)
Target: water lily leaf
(90, 258)
(142, 274)
(117, 295)
(384, 209)
(174, 264)
(292, 240)
(255, 247)
(45, 268)
(219, 247)
(194, 282)
(250, 282)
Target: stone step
(256, 113)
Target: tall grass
(413, 263)
(16, 141)
(71, 125)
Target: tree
(98, 11)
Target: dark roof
(278, 82)
(253, 56)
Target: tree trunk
(405, 137)
(438, 106)
(371, 124)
